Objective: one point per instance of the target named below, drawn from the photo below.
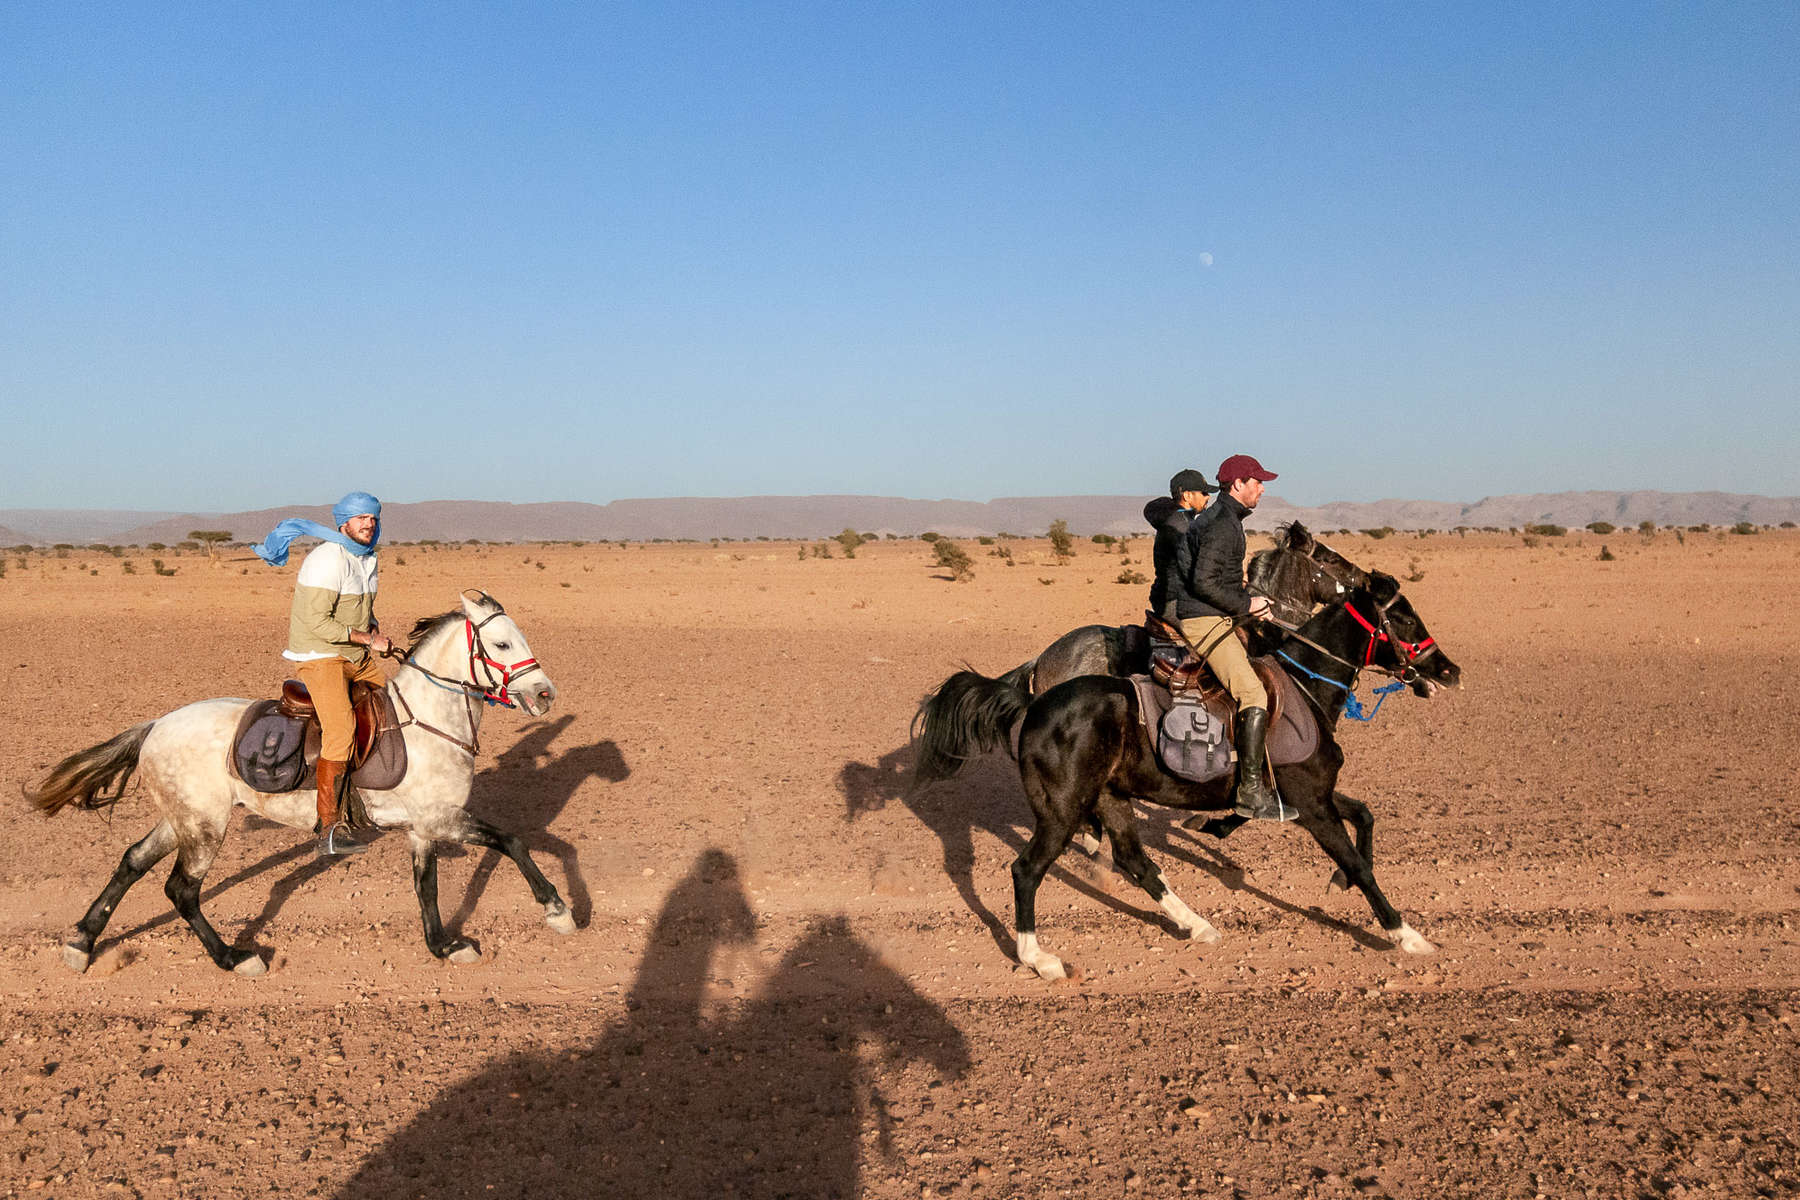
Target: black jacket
(1170, 521)
(1209, 563)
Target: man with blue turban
(331, 630)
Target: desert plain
(794, 978)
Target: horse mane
(424, 627)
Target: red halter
(1412, 651)
(478, 653)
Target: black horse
(1084, 756)
(1298, 575)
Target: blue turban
(274, 548)
(355, 504)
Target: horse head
(479, 644)
(1398, 640)
(1301, 573)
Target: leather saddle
(1174, 665)
(277, 741)
(1195, 732)
(1191, 718)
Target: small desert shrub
(821, 550)
(128, 568)
(1546, 530)
(1130, 576)
(849, 539)
(1045, 582)
(802, 553)
(1601, 527)
(1061, 544)
(1647, 528)
(1004, 552)
(1413, 574)
(1530, 542)
(985, 541)
(540, 564)
(930, 535)
(1679, 540)
(1378, 534)
(955, 559)
(1744, 527)
(1103, 539)
(157, 564)
(1605, 554)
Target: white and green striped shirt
(334, 594)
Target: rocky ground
(793, 979)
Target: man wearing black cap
(1210, 601)
(1170, 517)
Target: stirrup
(1282, 810)
(337, 840)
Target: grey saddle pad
(275, 753)
(1194, 741)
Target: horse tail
(82, 779)
(968, 714)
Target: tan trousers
(329, 680)
(1227, 660)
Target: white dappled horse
(459, 662)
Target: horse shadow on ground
(773, 1096)
(526, 790)
(526, 787)
(987, 798)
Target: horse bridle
(496, 692)
(1379, 630)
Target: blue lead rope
(1352, 706)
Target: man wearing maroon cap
(1212, 601)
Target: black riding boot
(1254, 799)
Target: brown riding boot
(334, 834)
(1254, 799)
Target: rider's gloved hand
(1260, 607)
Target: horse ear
(1295, 536)
(1383, 587)
(478, 603)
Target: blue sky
(262, 254)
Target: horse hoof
(1050, 968)
(1339, 882)
(464, 954)
(1409, 940)
(559, 919)
(251, 967)
(75, 958)
(1206, 934)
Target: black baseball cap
(1189, 480)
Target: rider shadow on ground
(986, 797)
(525, 791)
(775, 1096)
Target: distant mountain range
(821, 516)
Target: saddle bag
(1192, 741)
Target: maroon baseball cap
(1242, 466)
